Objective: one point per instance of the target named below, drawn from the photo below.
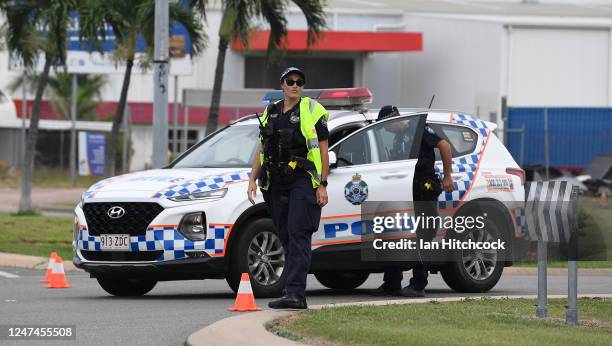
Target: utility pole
(24, 115)
(175, 110)
(73, 117)
(160, 85)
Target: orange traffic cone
(48, 273)
(58, 277)
(245, 301)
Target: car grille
(121, 256)
(137, 217)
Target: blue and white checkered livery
(472, 122)
(520, 219)
(168, 239)
(102, 184)
(208, 183)
(466, 165)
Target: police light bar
(332, 98)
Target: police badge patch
(295, 118)
(356, 190)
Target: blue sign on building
(92, 147)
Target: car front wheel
(475, 271)
(258, 251)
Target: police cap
(290, 70)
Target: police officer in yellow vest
(292, 171)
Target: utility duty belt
(295, 164)
(430, 187)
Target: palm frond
(273, 11)
(31, 80)
(315, 17)
(199, 6)
(23, 39)
(193, 25)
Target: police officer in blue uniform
(292, 172)
(425, 190)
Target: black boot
(412, 292)
(289, 301)
(385, 290)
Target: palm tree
(237, 23)
(59, 92)
(32, 28)
(130, 21)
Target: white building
(469, 53)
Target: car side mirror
(333, 160)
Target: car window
(355, 150)
(395, 138)
(462, 140)
(232, 147)
(336, 135)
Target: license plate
(114, 242)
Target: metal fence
(558, 137)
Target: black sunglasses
(299, 82)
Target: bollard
(542, 308)
(571, 310)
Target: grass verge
(49, 179)
(473, 321)
(36, 235)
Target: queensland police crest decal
(356, 190)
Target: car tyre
(126, 287)
(341, 280)
(259, 244)
(460, 277)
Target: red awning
(341, 41)
(142, 112)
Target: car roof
(336, 118)
(340, 117)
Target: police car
(192, 220)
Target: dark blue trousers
(393, 275)
(296, 216)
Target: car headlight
(75, 228)
(193, 226)
(82, 200)
(200, 196)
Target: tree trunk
(213, 116)
(25, 203)
(111, 147)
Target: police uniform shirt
(291, 120)
(427, 157)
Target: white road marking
(8, 275)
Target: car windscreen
(232, 147)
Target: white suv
(192, 220)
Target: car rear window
(462, 139)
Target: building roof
(339, 41)
(546, 8)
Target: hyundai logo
(116, 212)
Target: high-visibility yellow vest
(310, 113)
